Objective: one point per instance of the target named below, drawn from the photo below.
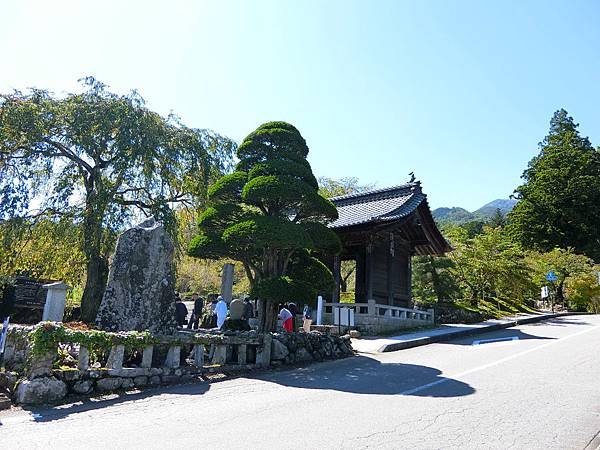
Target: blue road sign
(551, 276)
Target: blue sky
(460, 92)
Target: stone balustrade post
(83, 361)
(173, 357)
(199, 355)
(147, 356)
(242, 354)
(42, 365)
(371, 307)
(263, 352)
(220, 354)
(115, 357)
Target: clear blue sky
(460, 92)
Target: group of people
(216, 312)
(288, 313)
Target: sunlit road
(538, 388)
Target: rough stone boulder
(139, 293)
(40, 390)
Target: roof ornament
(412, 177)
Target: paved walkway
(444, 333)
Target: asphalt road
(536, 388)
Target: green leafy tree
(46, 249)
(331, 187)
(560, 198)
(565, 263)
(269, 215)
(433, 280)
(489, 265)
(99, 159)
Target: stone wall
(291, 348)
(97, 381)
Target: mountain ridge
(461, 215)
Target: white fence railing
(373, 309)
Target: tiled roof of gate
(377, 206)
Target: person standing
(248, 309)
(181, 311)
(221, 311)
(286, 318)
(197, 311)
(307, 318)
(294, 310)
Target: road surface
(530, 387)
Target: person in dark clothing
(181, 311)
(197, 311)
(248, 309)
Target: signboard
(551, 277)
(545, 292)
(30, 293)
(343, 316)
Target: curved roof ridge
(356, 195)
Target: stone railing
(374, 318)
(164, 360)
(104, 362)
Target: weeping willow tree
(269, 216)
(99, 159)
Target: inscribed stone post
(227, 282)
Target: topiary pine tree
(269, 215)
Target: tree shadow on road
(560, 322)
(496, 336)
(364, 375)
(50, 413)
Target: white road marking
(495, 363)
(485, 341)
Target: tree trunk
(95, 283)
(267, 316)
(97, 266)
(560, 295)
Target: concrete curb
(395, 346)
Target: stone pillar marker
(319, 310)
(227, 282)
(54, 308)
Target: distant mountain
(504, 205)
(461, 215)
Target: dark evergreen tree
(560, 198)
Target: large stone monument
(140, 290)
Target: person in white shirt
(220, 311)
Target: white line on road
(485, 341)
(495, 363)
